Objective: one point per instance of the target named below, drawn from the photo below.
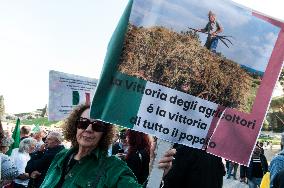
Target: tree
(2, 106)
(275, 116)
(281, 78)
(43, 113)
(266, 126)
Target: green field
(38, 121)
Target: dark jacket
(194, 168)
(264, 167)
(41, 161)
(139, 163)
(278, 181)
(116, 147)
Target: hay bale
(179, 61)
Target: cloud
(253, 39)
(194, 13)
(271, 36)
(167, 14)
(226, 11)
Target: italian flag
(144, 106)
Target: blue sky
(253, 39)
(69, 36)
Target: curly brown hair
(70, 129)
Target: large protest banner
(66, 91)
(192, 74)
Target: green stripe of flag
(123, 100)
(111, 60)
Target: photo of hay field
(179, 61)
(170, 53)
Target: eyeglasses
(98, 126)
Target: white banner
(178, 115)
(66, 91)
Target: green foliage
(275, 120)
(281, 78)
(44, 111)
(275, 141)
(39, 121)
(277, 102)
(252, 94)
(266, 126)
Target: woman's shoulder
(61, 154)
(63, 151)
(118, 171)
(115, 163)
(114, 160)
(4, 157)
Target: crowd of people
(101, 156)
(253, 175)
(43, 161)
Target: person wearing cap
(212, 28)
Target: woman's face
(88, 137)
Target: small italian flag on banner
(76, 98)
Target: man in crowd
(25, 132)
(278, 181)
(40, 160)
(276, 165)
(120, 146)
(39, 134)
(257, 168)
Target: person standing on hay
(212, 28)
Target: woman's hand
(35, 174)
(121, 156)
(166, 161)
(23, 176)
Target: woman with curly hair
(138, 155)
(87, 164)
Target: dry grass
(179, 61)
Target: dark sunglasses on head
(98, 126)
